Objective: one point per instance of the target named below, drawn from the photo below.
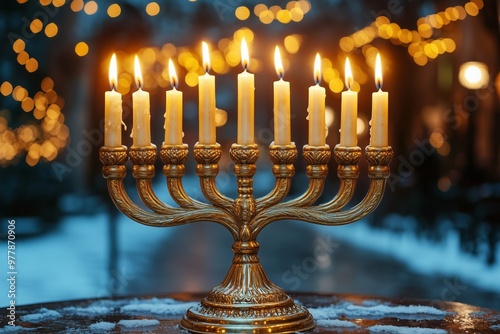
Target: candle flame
(378, 72)
(206, 56)
(278, 64)
(138, 73)
(113, 73)
(244, 54)
(317, 69)
(173, 75)
(348, 74)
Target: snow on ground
(102, 326)
(443, 258)
(404, 330)
(375, 310)
(163, 306)
(138, 323)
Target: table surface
(333, 313)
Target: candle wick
(317, 80)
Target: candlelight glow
(348, 74)
(278, 64)
(317, 69)
(378, 72)
(244, 54)
(113, 73)
(173, 75)
(138, 74)
(206, 56)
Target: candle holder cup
(246, 300)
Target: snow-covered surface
(43, 314)
(404, 330)
(495, 327)
(138, 323)
(164, 306)
(375, 310)
(102, 326)
(443, 258)
(334, 323)
(89, 310)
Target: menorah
(246, 300)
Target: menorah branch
(174, 157)
(282, 157)
(378, 159)
(207, 157)
(348, 172)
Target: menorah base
(247, 302)
(286, 317)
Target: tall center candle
(349, 111)
(380, 110)
(173, 112)
(316, 108)
(246, 101)
(112, 109)
(141, 132)
(281, 104)
(206, 107)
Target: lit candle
(112, 110)
(142, 118)
(173, 114)
(316, 108)
(349, 111)
(206, 107)
(281, 104)
(246, 90)
(380, 110)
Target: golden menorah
(246, 301)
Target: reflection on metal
(474, 75)
(246, 301)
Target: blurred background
(435, 235)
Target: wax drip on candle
(113, 82)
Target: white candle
(173, 114)
(206, 107)
(142, 118)
(112, 109)
(246, 101)
(349, 111)
(281, 104)
(380, 110)
(316, 108)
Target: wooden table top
(333, 314)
